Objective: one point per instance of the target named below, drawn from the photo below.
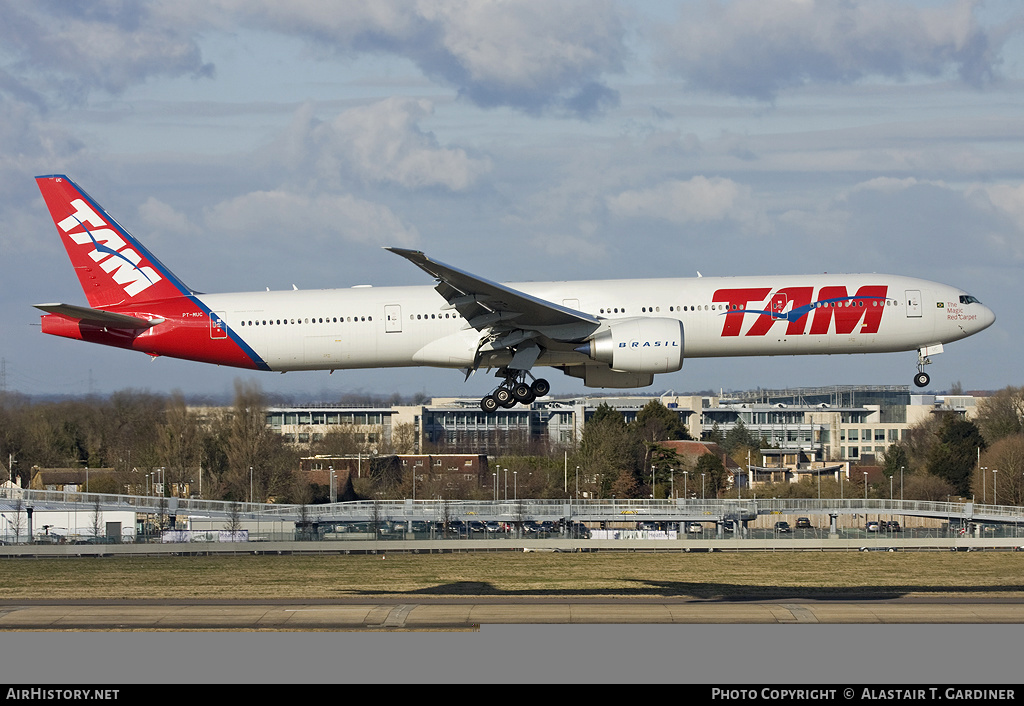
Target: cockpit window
(968, 299)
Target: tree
(656, 422)
(180, 443)
(714, 474)
(257, 461)
(953, 459)
(1002, 414)
(96, 518)
(739, 437)
(608, 449)
(1006, 458)
(895, 460)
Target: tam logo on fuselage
(110, 250)
(794, 304)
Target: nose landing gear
(922, 379)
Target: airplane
(609, 333)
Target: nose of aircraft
(986, 317)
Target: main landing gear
(514, 390)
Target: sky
(252, 144)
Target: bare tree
(96, 518)
(258, 464)
(234, 523)
(179, 443)
(19, 518)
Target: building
(840, 423)
(72, 480)
(836, 423)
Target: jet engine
(638, 345)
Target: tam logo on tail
(112, 266)
(111, 252)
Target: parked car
(803, 523)
(782, 526)
(579, 530)
(729, 526)
(694, 528)
(872, 526)
(892, 526)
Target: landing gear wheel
(521, 391)
(540, 387)
(488, 404)
(922, 379)
(503, 395)
(510, 403)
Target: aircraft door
(913, 303)
(217, 329)
(392, 318)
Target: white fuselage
(366, 327)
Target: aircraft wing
(491, 306)
(98, 317)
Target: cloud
(1008, 199)
(533, 55)
(158, 217)
(378, 143)
(698, 200)
(755, 48)
(276, 214)
(78, 47)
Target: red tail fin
(111, 265)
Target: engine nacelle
(639, 345)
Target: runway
(470, 614)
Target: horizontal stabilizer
(97, 317)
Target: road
(470, 614)
(480, 641)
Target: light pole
(901, 483)
(250, 484)
(984, 490)
(494, 485)
(652, 483)
(702, 487)
(515, 485)
(686, 477)
(995, 487)
(865, 486)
